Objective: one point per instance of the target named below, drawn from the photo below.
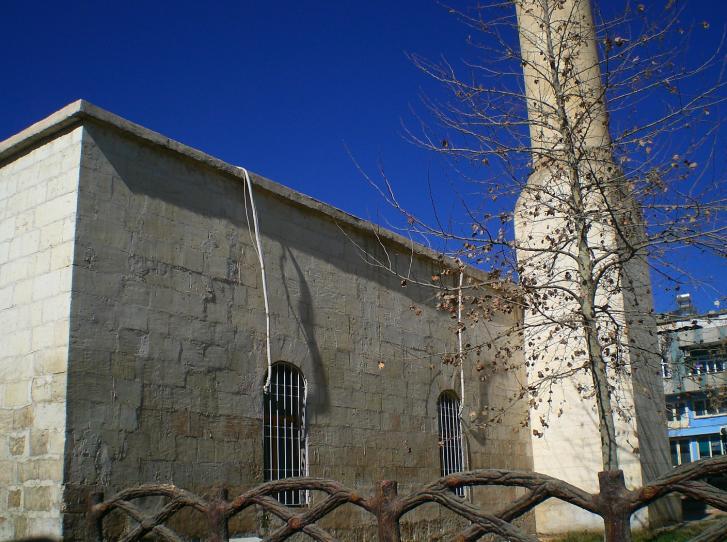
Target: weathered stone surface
(38, 191)
(39, 498)
(17, 445)
(14, 498)
(162, 370)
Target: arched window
(284, 430)
(450, 436)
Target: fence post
(387, 513)
(95, 520)
(217, 517)
(614, 506)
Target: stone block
(15, 498)
(60, 185)
(49, 415)
(6, 296)
(55, 210)
(133, 317)
(38, 442)
(56, 442)
(126, 417)
(24, 245)
(22, 292)
(43, 337)
(39, 498)
(8, 471)
(191, 353)
(162, 447)
(158, 322)
(216, 356)
(185, 449)
(56, 307)
(16, 394)
(16, 445)
(51, 284)
(6, 421)
(129, 392)
(17, 344)
(40, 469)
(7, 227)
(61, 256)
(22, 417)
(21, 527)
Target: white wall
(38, 194)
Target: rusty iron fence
(614, 503)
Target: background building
(695, 381)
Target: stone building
(133, 333)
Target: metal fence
(614, 503)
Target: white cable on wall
(459, 337)
(259, 250)
(464, 449)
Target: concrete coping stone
(81, 111)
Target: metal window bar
(284, 431)
(450, 437)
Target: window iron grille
(285, 443)
(706, 360)
(450, 436)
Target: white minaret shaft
(561, 69)
(576, 187)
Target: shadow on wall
(148, 171)
(470, 424)
(179, 182)
(303, 314)
(152, 174)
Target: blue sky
(283, 88)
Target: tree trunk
(217, 519)
(613, 503)
(388, 518)
(584, 255)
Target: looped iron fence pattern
(614, 503)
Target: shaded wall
(167, 340)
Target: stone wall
(37, 221)
(167, 339)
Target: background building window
(700, 408)
(450, 436)
(284, 430)
(680, 452)
(710, 406)
(709, 446)
(706, 360)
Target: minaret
(563, 87)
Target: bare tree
(596, 143)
